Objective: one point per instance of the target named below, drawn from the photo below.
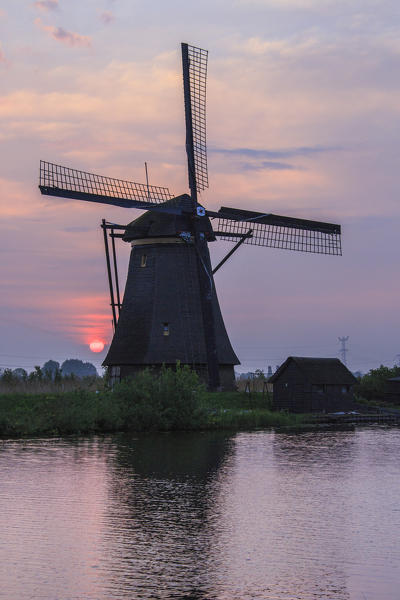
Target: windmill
(170, 310)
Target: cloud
(86, 316)
(107, 17)
(271, 154)
(48, 111)
(267, 165)
(311, 6)
(105, 116)
(13, 204)
(256, 156)
(281, 3)
(2, 56)
(284, 47)
(66, 37)
(46, 5)
(78, 229)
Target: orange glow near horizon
(96, 346)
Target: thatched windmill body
(170, 310)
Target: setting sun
(96, 346)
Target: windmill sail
(194, 63)
(275, 231)
(56, 180)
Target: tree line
(373, 385)
(73, 372)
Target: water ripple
(202, 516)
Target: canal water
(261, 515)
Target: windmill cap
(159, 224)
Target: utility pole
(343, 349)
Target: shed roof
(318, 370)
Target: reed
(39, 383)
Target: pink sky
(303, 120)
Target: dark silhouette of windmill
(170, 310)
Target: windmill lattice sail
(56, 180)
(196, 96)
(277, 231)
(278, 236)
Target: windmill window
(143, 260)
(165, 328)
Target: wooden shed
(303, 384)
(392, 391)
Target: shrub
(170, 399)
(372, 386)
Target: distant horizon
(238, 369)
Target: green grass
(240, 410)
(237, 418)
(58, 414)
(240, 400)
(173, 400)
(377, 404)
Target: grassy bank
(174, 400)
(240, 410)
